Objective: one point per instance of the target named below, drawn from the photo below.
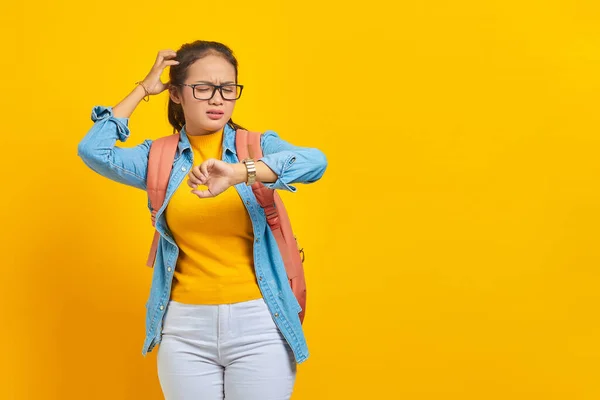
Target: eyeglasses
(206, 91)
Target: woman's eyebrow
(222, 83)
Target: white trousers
(228, 351)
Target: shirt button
(162, 308)
(260, 278)
(169, 269)
(248, 202)
(257, 240)
(276, 314)
(183, 169)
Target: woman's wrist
(144, 87)
(240, 174)
(263, 173)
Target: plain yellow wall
(451, 245)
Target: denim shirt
(129, 166)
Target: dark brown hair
(188, 54)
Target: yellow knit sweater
(215, 239)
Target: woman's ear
(174, 94)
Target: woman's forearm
(264, 174)
(126, 106)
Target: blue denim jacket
(292, 164)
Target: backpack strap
(160, 164)
(248, 145)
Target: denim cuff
(100, 113)
(280, 163)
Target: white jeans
(229, 351)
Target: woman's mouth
(215, 114)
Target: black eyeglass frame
(215, 88)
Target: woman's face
(205, 116)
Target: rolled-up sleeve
(292, 164)
(97, 149)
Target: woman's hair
(187, 55)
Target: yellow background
(451, 245)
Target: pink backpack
(160, 163)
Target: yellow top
(215, 239)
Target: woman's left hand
(215, 174)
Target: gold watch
(251, 169)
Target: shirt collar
(228, 140)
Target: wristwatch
(251, 169)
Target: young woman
(220, 303)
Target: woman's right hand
(152, 81)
